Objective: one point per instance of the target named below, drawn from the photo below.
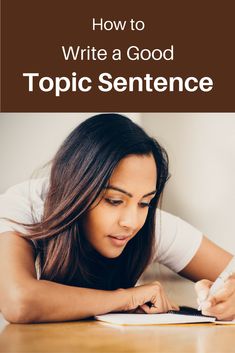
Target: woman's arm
(24, 299)
(208, 262)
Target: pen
(219, 282)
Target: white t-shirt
(176, 240)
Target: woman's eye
(113, 202)
(145, 204)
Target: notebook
(186, 315)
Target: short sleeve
(22, 203)
(176, 241)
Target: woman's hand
(222, 303)
(149, 298)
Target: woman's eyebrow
(112, 187)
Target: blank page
(152, 319)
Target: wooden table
(91, 336)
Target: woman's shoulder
(171, 228)
(23, 202)
(33, 188)
(176, 240)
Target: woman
(92, 229)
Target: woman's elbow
(18, 307)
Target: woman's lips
(118, 240)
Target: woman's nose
(129, 219)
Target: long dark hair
(80, 171)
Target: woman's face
(123, 206)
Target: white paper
(220, 322)
(151, 319)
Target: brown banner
(149, 56)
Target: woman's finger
(221, 296)
(145, 308)
(151, 310)
(224, 293)
(174, 306)
(222, 311)
(157, 306)
(170, 305)
(202, 289)
(161, 305)
(165, 303)
(139, 310)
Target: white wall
(201, 190)
(29, 140)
